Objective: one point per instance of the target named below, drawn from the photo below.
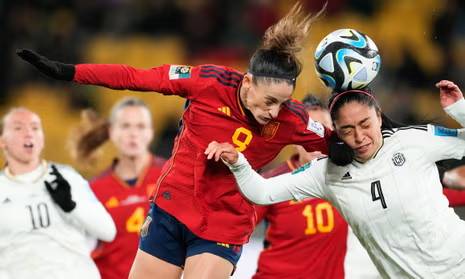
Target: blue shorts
(164, 237)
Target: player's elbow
(108, 231)
(257, 199)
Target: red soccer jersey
(305, 239)
(201, 193)
(128, 206)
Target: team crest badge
(180, 71)
(270, 129)
(144, 231)
(398, 159)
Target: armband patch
(180, 71)
(445, 132)
(316, 127)
(302, 168)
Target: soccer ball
(347, 59)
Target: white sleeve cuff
(457, 111)
(241, 161)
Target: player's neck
(243, 97)
(15, 167)
(131, 167)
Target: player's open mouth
(28, 145)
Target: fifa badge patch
(398, 159)
(316, 127)
(179, 72)
(144, 230)
(444, 132)
(270, 129)
(302, 168)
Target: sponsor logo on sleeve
(316, 127)
(180, 71)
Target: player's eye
(346, 132)
(269, 103)
(365, 125)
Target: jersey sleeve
(455, 197)
(302, 183)
(178, 80)
(438, 143)
(89, 212)
(457, 111)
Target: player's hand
(455, 178)
(53, 69)
(225, 151)
(60, 191)
(449, 93)
(305, 156)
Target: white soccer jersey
(37, 238)
(393, 202)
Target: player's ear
(247, 81)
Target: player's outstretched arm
(114, 76)
(253, 186)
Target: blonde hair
(11, 111)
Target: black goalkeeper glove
(53, 69)
(60, 190)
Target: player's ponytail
(276, 60)
(88, 136)
(93, 131)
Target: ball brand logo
(398, 159)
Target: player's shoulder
(407, 131)
(221, 76)
(296, 110)
(102, 178)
